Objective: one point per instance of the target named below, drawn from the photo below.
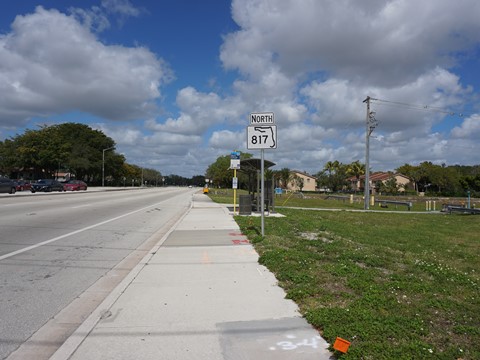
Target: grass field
(318, 200)
(397, 286)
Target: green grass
(318, 200)
(397, 286)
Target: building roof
(303, 173)
(378, 176)
(252, 165)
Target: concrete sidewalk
(200, 294)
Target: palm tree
(285, 176)
(356, 169)
(336, 175)
(332, 167)
(298, 182)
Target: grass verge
(397, 286)
(326, 201)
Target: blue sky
(173, 82)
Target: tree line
(432, 179)
(73, 148)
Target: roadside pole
(366, 204)
(261, 135)
(370, 124)
(262, 207)
(235, 165)
(234, 193)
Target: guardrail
(384, 203)
(449, 209)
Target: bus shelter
(247, 203)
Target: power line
(418, 107)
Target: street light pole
(103, 164)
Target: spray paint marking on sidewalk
(292, 344)
(240, 242)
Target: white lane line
(80, 206)
(6, 256)
(22, 204)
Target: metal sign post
(262, 134)
(235, 165)
(262, 207)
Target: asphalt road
(53, 247)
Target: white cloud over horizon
(313, 65)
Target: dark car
(46, 185)
(22, 185)
(7, 186)
(74, 185)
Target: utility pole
(370, 124)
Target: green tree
(72, 147)
(298, 181)
(151, 177)
(432, 178)
(222, 175)
(7, 157)
(285, 176)
(389, 187)
(412, 172)
(130, 175)
(198, 180)
(220, 172)
(333, 176)
(356, 169)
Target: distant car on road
(7, 186)
(46, 185)
(23, 185)
(74, 185)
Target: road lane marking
(80, 206)
(6, 256)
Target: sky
(173, 82)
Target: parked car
(7, 186)
(23, 185)
(74, 185)
(46, 185)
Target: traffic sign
(234, 164)
(264, 118)
(261, 137)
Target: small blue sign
(235, 155)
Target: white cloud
(123, 7)
(227, 140)
(93, 19)
(311, 62)
(470, 128)
(339, 103)
(351, 39)
(51, 63)
(198, 112)
(314, 64)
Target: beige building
(378, 178)
(302, 182)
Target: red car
(74, 185)
(22, 185)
